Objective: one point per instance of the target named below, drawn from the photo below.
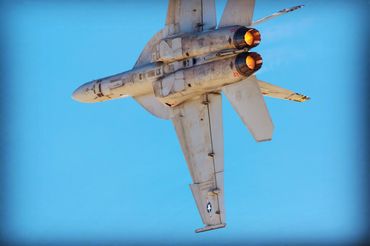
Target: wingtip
(210, 227)
(299, 98)
(298, 7)
(287, 10)
(305, 98)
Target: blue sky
(111, 172)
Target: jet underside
(181, 74)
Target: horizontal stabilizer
(247, 100)
(281, 12)
(280, 93)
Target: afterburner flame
(245, 37)
(252, 37)
(248, 63)
(249, 38)
(251, 63)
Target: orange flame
(251, 63)
(249, 38)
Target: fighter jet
(181, 75)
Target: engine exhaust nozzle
(246, 38)
(248, 63)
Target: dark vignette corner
(366, 125)
(3, 126)
(5, 142)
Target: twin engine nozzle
(248, 63)
(246, 38)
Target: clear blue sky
(111, 172)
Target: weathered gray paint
(180, 74)
(238, 12)
(203, 149)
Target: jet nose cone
(77, 95)
(82, 94)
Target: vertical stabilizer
(237, 12)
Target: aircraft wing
(238, 12)
(280, 93)
(281, 12)
(190, 16)
(198, 124)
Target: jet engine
(246, 38)
(177, 87)
(248, 63)
(199, 44)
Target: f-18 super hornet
(181, 74)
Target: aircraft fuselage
(206, 61)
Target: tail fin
(248, 102)
(237, 12)
(281, 12)
(280, 93)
